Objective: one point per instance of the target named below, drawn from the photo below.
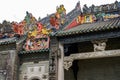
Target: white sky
(15, 10)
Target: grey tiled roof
(7, 41)
(91, 27)
(12, 40)
(35, 51)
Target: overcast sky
(15, 10)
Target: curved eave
(59, 34)
(11, 40)
(7, 42)
(34, 51)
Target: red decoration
(54, 22)
(18, 28)
(40, 26)
(74, 23)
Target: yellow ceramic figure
(59, 10)
(34, 32)
(91, 18)
(82, 19)
(78, 19)
(29, 34)
(45, 31)
(88, 19)
(33, 19)
(62, 8)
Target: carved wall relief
(68, 62)
(3, 74)
(99, 45)
(4, 70)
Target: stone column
(60, 62)
(53, 59)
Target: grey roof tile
(91, 27)
(34, 51)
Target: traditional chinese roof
(93, 19)
(34, 51)
(91, 27)
(71, 25)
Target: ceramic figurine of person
(47, 42)
(32, 19)
(78, 19)
(39, 27)
(57, 15)
(45, 31)
(87, 18)
(42, 44)
(28, 44)
(59, 10)
(38, 42)
(18, 28)
(93, 18)
(35, 47)
(100, 16)
(27, 17)
(21, 29)
(82, 18)
(15, 27)
(34, 32)
(54, 22)
(63, 14)
(63, 10)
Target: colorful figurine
(54, 22)
(27, 17)
(18, 28)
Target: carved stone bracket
(99, 45)
(3, 72)
(68, 62)
(89, 55)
